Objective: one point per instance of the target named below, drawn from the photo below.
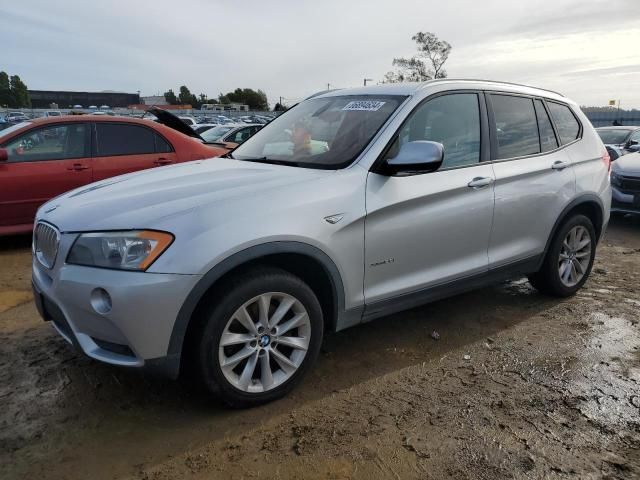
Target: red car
(43, 158)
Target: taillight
(606, 158)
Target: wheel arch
(310, 263)
(587, 204)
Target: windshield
(325, 132)
(4, 133)
(216, 133)
(613, 136)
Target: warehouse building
(48, 98)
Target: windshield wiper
(271, 161)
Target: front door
(429, 229)
(43, 163)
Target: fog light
(101, 300)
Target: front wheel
(569, 259)
(259, 340)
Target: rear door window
(516, 126)
(121, 139)
(548, 139)
(565, 121)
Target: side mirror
(420, 156)
(614, 154)
(4, 155)
(633, 146)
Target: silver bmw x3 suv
(350, 206)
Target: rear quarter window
(566, 123)
(162, 146)
(123, 139)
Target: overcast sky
(587, 49)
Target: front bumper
(135, 332)
(623, 202)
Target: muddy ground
(518, 386)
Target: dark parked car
(625, 184)
(621, 140)
(42, 158)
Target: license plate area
(39, 301)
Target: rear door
(535, 179)
(126, 147)
(43, 163)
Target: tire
(559, 259)
(266, 289)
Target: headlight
(615, 179)
(132, 250)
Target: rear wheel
(260, 338)
(569, 259)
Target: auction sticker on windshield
(364, 105)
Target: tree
(279, 107)
(170, 97)
(19, 93)
(427, 64)
(256, 100)
(186, 97)
(5, 90)
(13, 92)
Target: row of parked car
(623, 145)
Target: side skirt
(410, 300)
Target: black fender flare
(576, 202)
(185, 314)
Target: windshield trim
(402, 99)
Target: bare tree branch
(426, 65)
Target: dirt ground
(518, 386)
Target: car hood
(147, 199)
(170, 120)
(627, 164)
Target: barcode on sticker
(364, 105)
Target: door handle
(162, 161)
(78, 167)
(559, 165)
(480, 182)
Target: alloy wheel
(575, 256)
(264, 342)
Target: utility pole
(328, 86)
(367, 80)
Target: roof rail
(493, 81)
(322, 92)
